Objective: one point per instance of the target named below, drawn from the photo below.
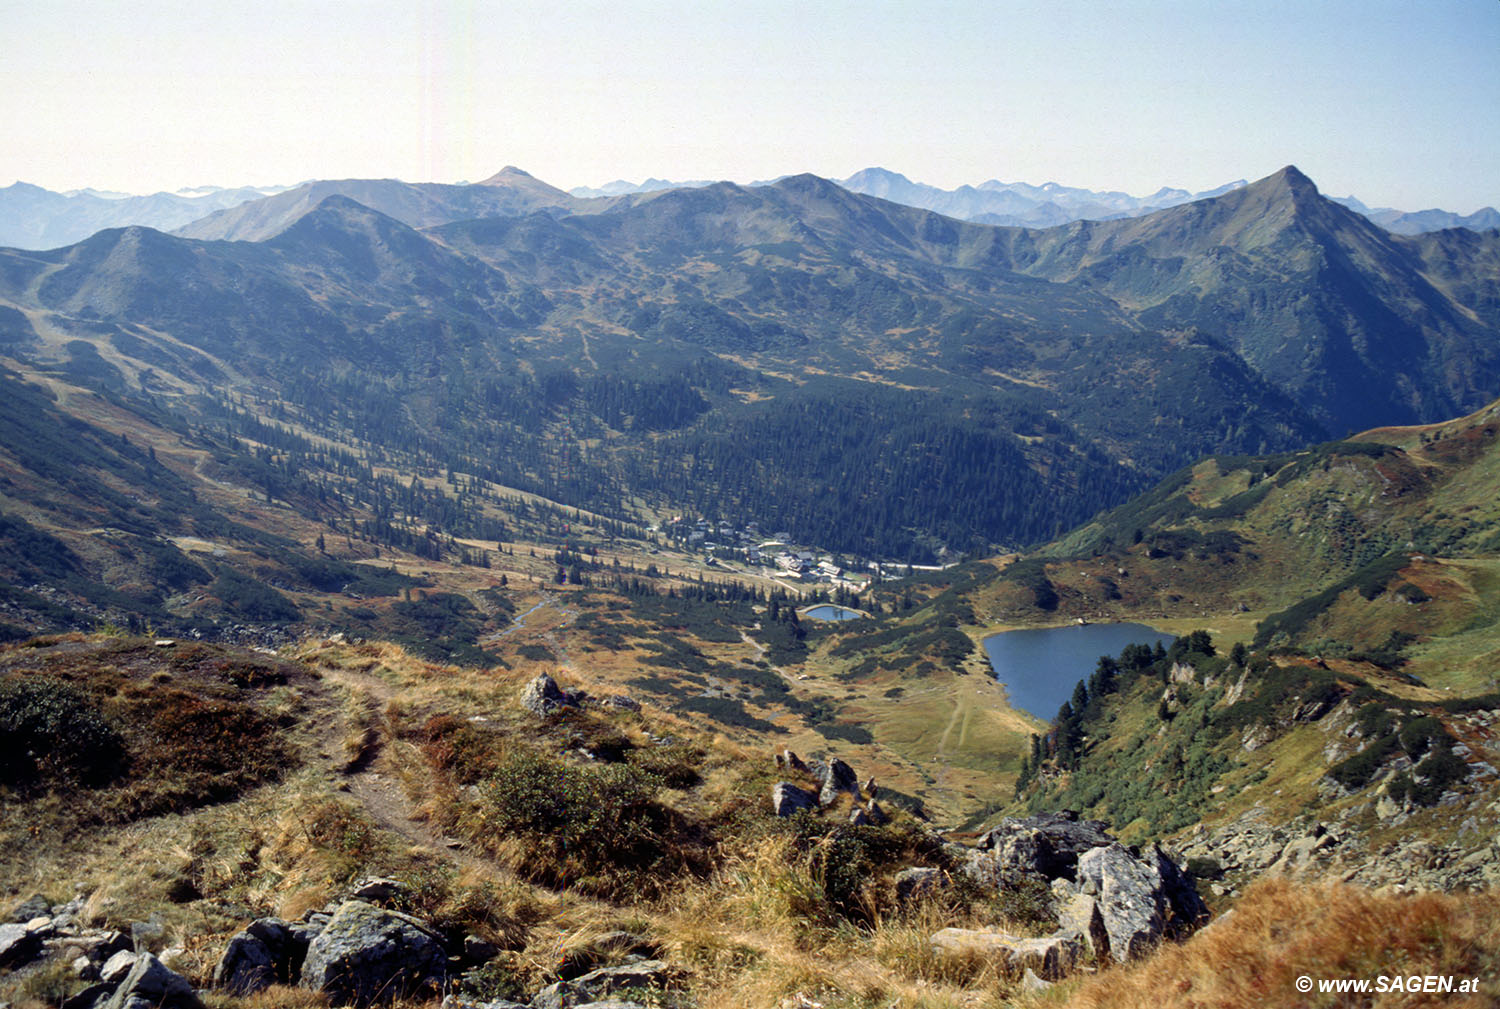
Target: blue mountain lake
(1040, 666)
(827, 611)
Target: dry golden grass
(758, 934)
(1282, 930)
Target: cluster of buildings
(721, 542)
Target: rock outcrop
(21, 943)
(1052, 957)
(543, 697)
(269, 951)
(593, 988)
(150, 985)
(366, 955)
(1109, 900)
(837, 777)
(787, 798)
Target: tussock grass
(1282, 930)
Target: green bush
(849, 733)
(51, 731)
(1420, 733)
(1356, 772)
(597, 828)
(252, 600)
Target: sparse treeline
(412, 515)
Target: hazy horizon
(1383, 101)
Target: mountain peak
(1292, 178)
(1288, 188)
(873, 173)
(507, 175)
(516, 180)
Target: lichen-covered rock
(269, 951)
(1078, 916)
(152, 985)
(1053, 957)
(595, 987)
(366, 955)
(19, 944)
(543, 696)
(787, 798)
(1048, 844)
(837, 777)
(117, 967)
(1132, 903)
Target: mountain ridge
(1145, 340)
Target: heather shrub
(51, 732)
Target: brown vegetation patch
(1282, 930)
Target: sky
(1397, 103)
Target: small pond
(827, 611)
(1040, 666)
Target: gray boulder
(151, 985)
(595, 987)
(269, 951)
(35, 906)
(916, 883)
(1052, 958)
(1078, 916)
(837, 777)
(1132, 901)
(366, 955)
(543, 696)
(1048, 844)
(19, 944)
(787, 798)
(118, 966)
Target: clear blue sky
(1395, 102)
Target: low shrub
(594, 827)
(50, 732)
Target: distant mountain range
(789, 351)
(1416, 222)
(508, 193)
(1020, 204)
(36, 218)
